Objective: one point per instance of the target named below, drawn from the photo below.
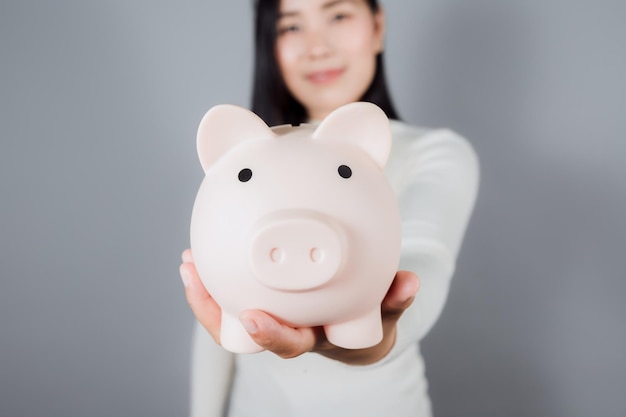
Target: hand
(289, 342)
(204, 307)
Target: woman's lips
(324, 76)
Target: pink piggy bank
(299, 222)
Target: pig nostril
(316, 255)
(277, 255)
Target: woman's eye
(288, 29)
(340, 16)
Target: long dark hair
(271, 99)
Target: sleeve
(211, 376)
(437, 198)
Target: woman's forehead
(295, 7)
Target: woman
(313, 56)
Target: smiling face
(326, 51)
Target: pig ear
(361, 124)
(225, 126)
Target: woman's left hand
(289, 342)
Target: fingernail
(250, 325)
(184, 275)
(186, 256)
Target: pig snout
(296, 251)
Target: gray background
(99, 103)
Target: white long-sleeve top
(435, 176)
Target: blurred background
(99, 104)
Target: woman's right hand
(204, 307)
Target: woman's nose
(318, 44)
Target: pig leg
(361, 332)
(234, 337)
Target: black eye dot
(344, 171)
(245, 175)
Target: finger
(400, 295)
(186, 256)
(204, 307)
(284, 341)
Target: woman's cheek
(287, 52)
